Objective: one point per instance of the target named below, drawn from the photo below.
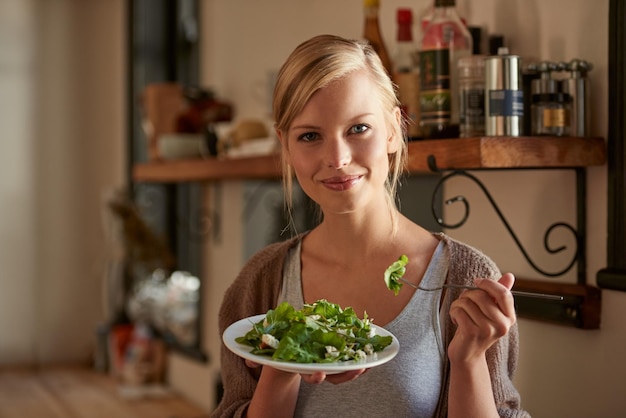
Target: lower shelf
(580, 307)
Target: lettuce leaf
(394, 272)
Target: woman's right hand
(319, 377)
(335, 379)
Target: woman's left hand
(482, 317)
(317, 377)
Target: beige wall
(17, 182)
(62, 77)
(62, 74)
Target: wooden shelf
(209, 169)
(581, 306)
(447, 154)
(507, 152)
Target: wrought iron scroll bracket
(579, 233)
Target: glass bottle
(372, 33)
(446, 40)
(406, 72)
(471, 97)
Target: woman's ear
(395, 132)
(279, 135)
(282, 138)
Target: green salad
(321, 332)
(394, 273)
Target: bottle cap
(404, 16)
(371, 3)
(503, 50)
(476, 32)
(495, 42)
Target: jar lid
(552, 97)
(471, 66)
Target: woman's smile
(341, 183)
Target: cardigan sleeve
(467, 263)
(254, 291)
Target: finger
(460, 318)
(252, 364)
(477, 303)
(481, 302)
(467, 313)
(500, 292)
(314, 378)
(507, 280)
(479, 314)
(344, 377)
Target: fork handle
(514, 292)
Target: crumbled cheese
(360, 355)
(349, 354)
(332, 351)
(372, 332)
(270, 340)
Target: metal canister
(577, 86)
(504, 95)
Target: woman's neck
(349, 235)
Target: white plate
(241, 327)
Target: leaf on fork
(394, 272)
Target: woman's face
(338, 145)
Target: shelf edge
(480, 153)
(580, 308)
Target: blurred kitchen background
(68, 143)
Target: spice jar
(551, 113)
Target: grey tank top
(407, 386)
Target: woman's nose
(338, 153)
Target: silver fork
(461, 286)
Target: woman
(342, 136)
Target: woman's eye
(359, 129)
(308, 136)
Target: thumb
(507, 280)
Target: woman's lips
(340, 183)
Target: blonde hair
(313, 65)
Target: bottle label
(555, 118)
(435, 100)
(506, 103)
